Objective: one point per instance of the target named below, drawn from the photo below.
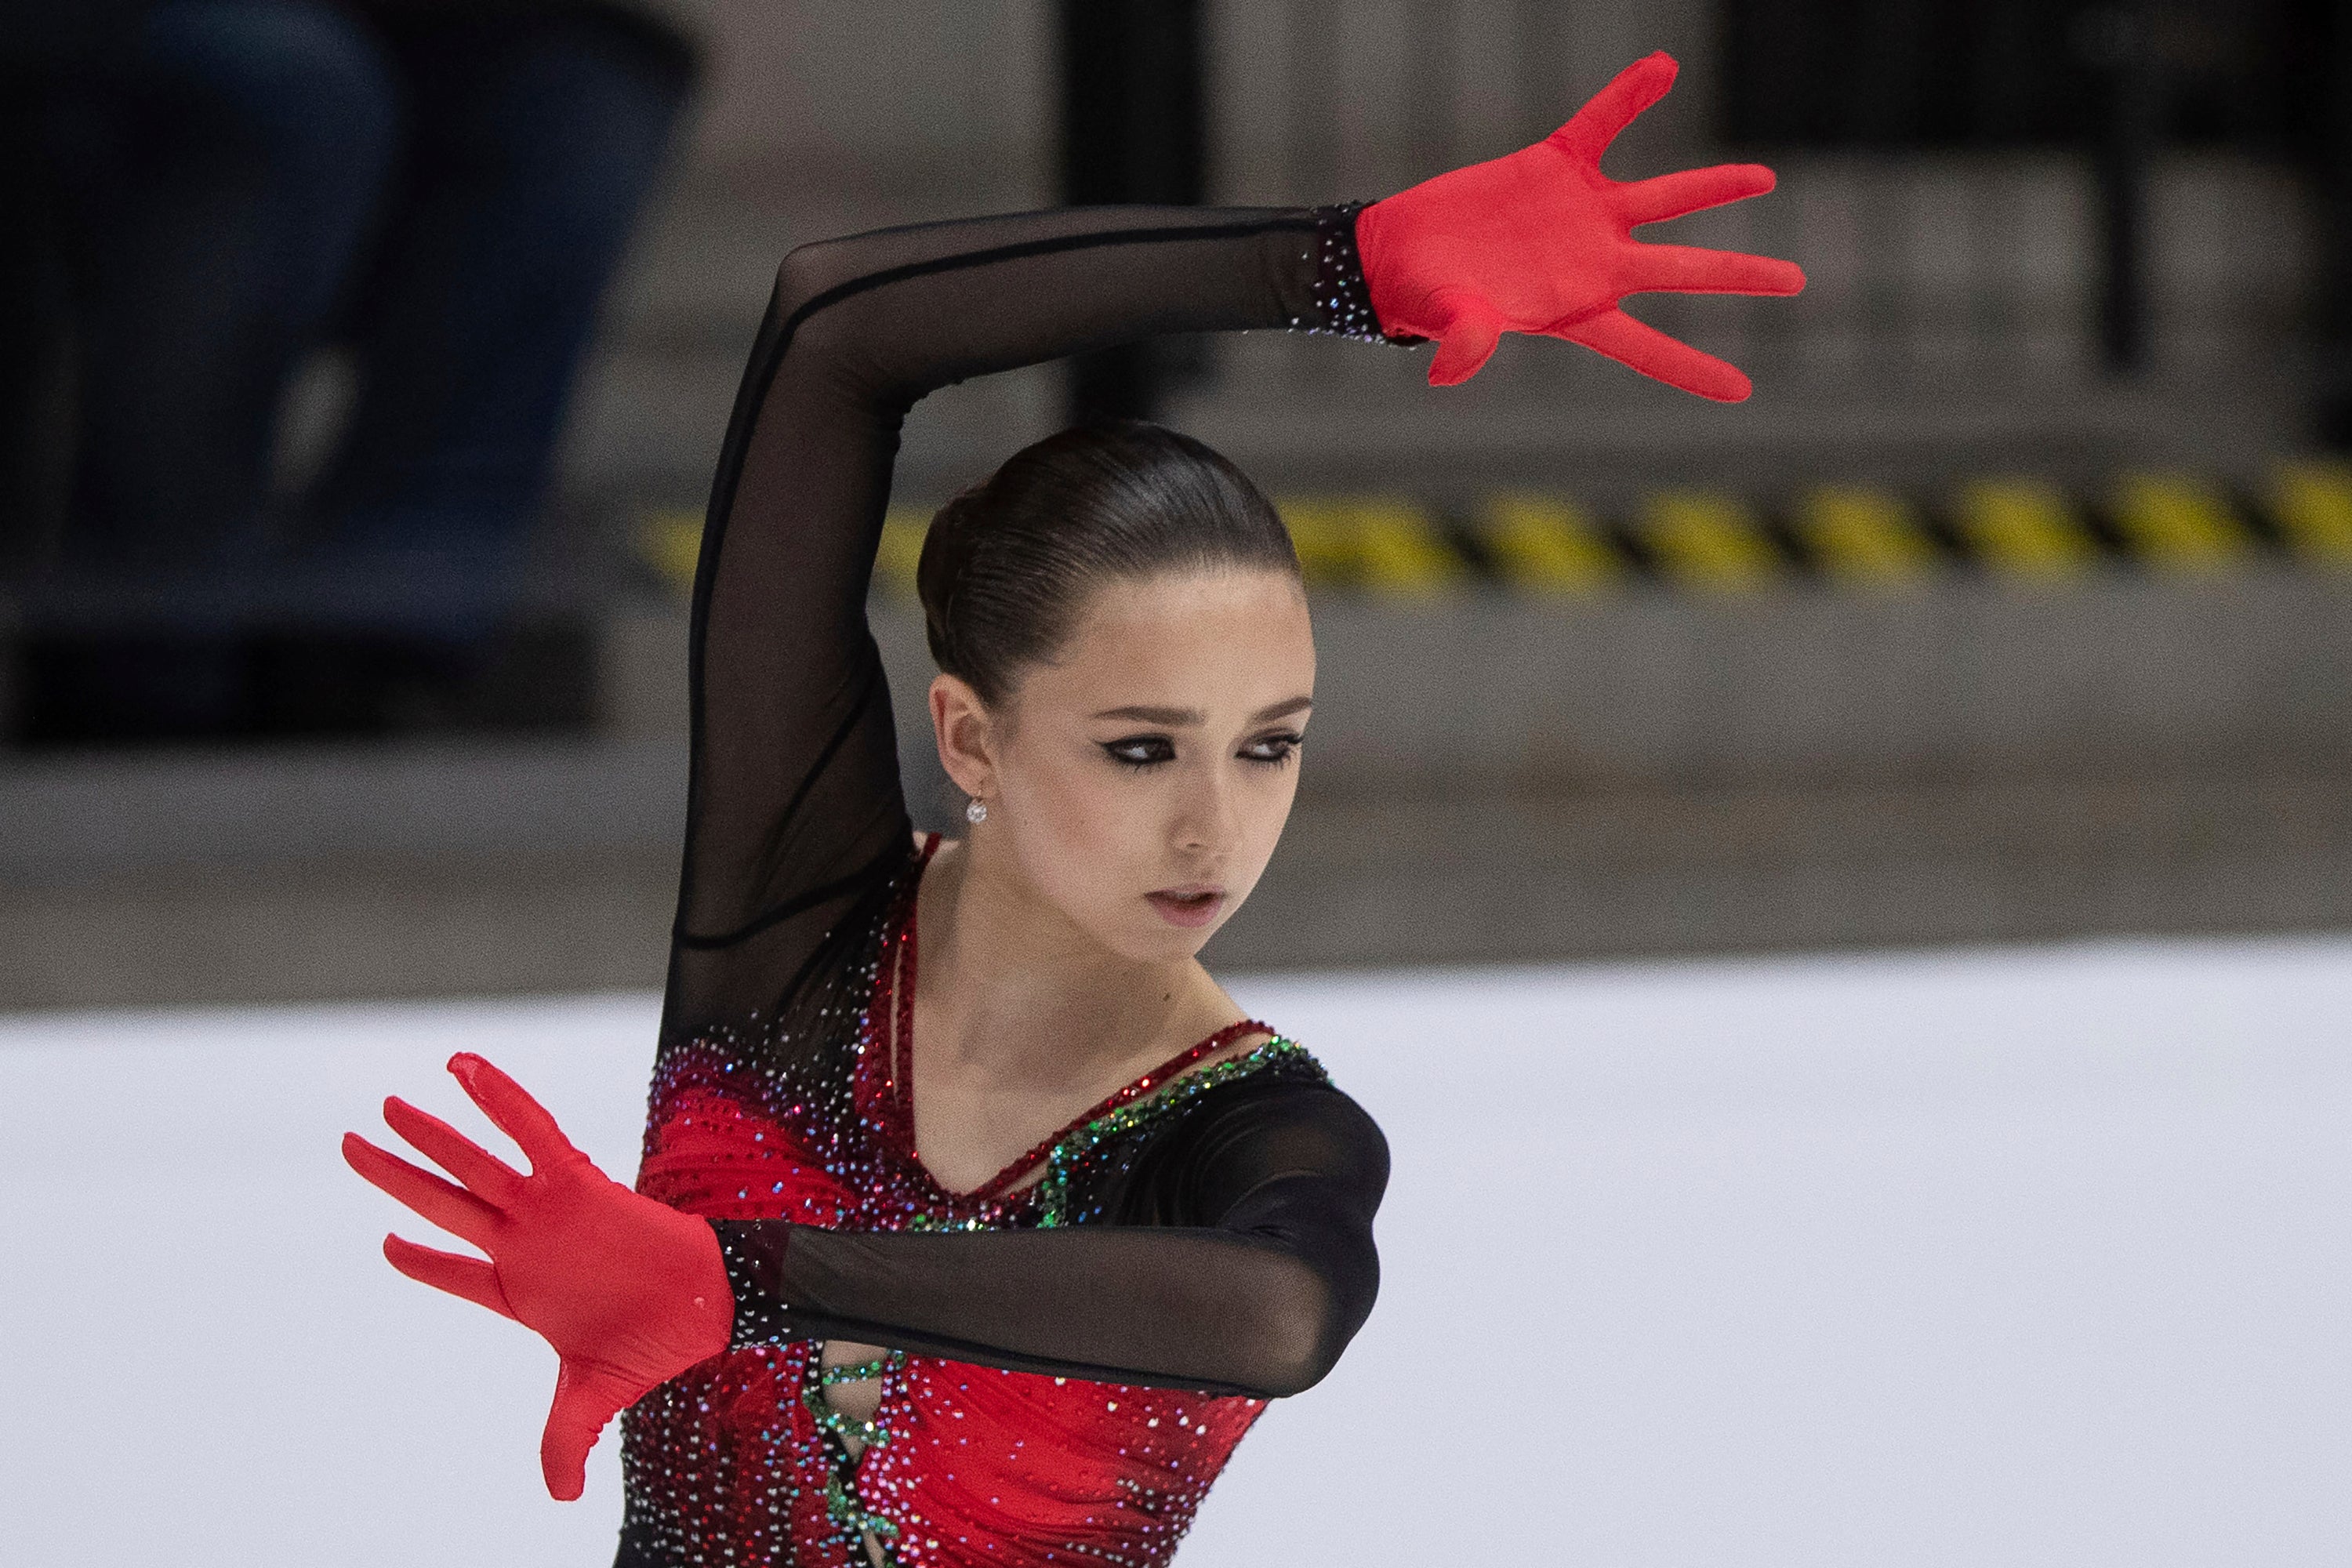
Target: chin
(1161, 946)
(1153, 939)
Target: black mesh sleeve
(794, 806)
(1236, 1257)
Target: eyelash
(1284, 747)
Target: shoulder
(1290, 1113)
(1269, 1113)
(1221, 1131)
(1284, 1138)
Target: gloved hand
(1541, 241)
(629, 1291)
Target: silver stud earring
(975, 810)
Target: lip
(1194, 904)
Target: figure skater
(995, 1262)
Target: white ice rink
(2001, 1259)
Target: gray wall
(1948, 312)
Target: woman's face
(1140, 780)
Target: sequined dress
(1072, 1356)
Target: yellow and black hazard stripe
(1866, 538)
(1860, 537)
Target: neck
(1010, 985)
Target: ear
(966, 734)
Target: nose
(1203, 822)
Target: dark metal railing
(1945, 271)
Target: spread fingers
(482, 1172)
(1691, 191)
(1689, 270)
(446, 1204)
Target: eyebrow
(1179, 717)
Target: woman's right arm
(793, 803)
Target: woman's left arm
(1266, 1273)
(1260, 1270)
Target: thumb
(1466, 339)
(585, 1400)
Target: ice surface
(2004, 1258)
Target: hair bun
(947, 552)
(1007, 564)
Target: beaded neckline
(894, 1000)
(1082, 1138)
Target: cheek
(1262, 810)
(1075, 822)
(1090, 838)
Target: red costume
(960, 1464)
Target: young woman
(995, 1259)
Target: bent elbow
(800, 278)
(1299, 1346)
(1295, 1375)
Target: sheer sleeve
(1236, 1257)
(793, 805)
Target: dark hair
(1008, 563)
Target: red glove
(629, 1291)
(1542, 242)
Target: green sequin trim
(840, 1500)
(872, 1434)
(1053, 1189)
(849, 1513)
(864, 1370)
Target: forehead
(1193, 640)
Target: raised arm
(795, 810)
(794, 806)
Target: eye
(1140, 750)
(1275, 749)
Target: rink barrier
(1706, 540)
(1863, 536)
(2023, 530)
(2312, 503)
(1546, 543)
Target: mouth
(1194, 904)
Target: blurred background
(362, 366)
